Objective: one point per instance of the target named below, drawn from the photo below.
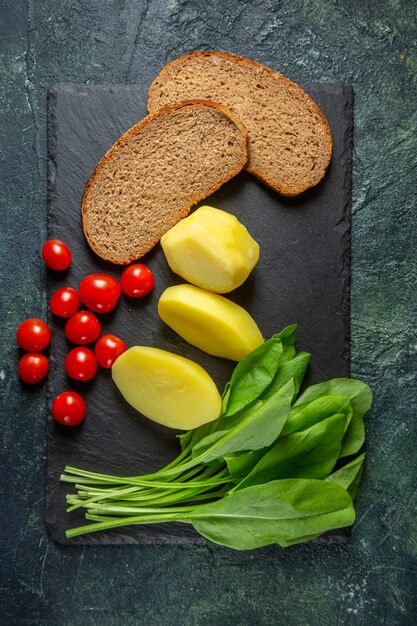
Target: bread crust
(133, 131)
(282, 189)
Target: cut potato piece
(167, 388)
(209, 321)
(211, 249)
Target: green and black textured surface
(370, 579)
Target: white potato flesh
(166, 388)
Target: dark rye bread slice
(152, 176)
(290, 143)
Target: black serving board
(302, 277)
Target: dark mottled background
(372, 578)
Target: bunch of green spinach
(270, 470)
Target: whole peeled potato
(211, 249)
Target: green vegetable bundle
(271, 470)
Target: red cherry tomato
(33, 367)
(83, 327)
(56, 254)
(81, 364)
(33, 335)
(64, 302)
(68, 408)
(108, 348)
(99, 292)
(137, 280)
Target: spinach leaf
(304, 416)
(241, 463)
(296, 540)
(354, 485)
(276, 512)
(354, 436)
(207, 442)
(293, 369)
(250, 377)
(255, 371)
(258, 427)
(312, 453)
(287, 336)
(359, 393)
(252, 374)
(225, 395)
(192, 437)
(349, 476)
(360, 396)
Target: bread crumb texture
(153, 175)
(289, 138)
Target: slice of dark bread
(290, 143)
(154, 174)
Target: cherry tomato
(108, 348)
(64, 302)
(33, 335)
(68, 408)
(99, 292)
(81, 364)
(56, 254)
(137, 280)
(83, 327)
(33, 367)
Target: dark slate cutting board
(303, 277)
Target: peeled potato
(209, 321)
(167, 388)
(211, 249)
